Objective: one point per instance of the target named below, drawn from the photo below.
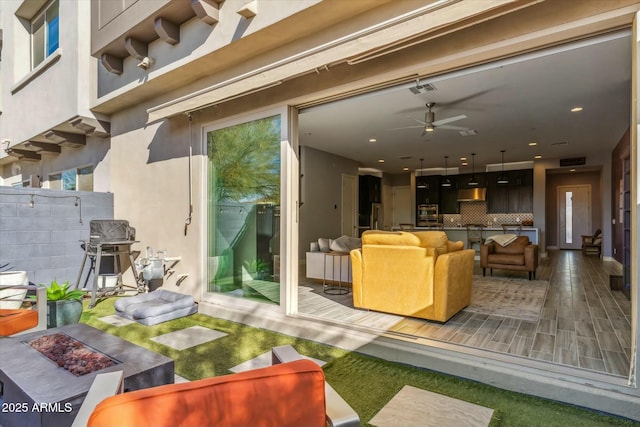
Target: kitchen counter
(460, 233)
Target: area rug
(508, 297)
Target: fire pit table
(35, 391)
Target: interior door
(349, 205)
(401, 208)
(574, 215)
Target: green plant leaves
(57, 292)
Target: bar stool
(512, 228)
(474, 235)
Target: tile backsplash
(476, 213)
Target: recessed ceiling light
(572, 170)
(405, 168)
(465, 164)
(576, 109)
(533, 143)
(381, 161)
(372, 140)
(537, 156)
(462, 159)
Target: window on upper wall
(80, 179)
(45, 33)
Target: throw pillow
(324, 244)
(345, 244)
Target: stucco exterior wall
(32, 102)
(150, 183)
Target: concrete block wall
(44, 240)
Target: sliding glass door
(243, 192)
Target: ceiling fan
(430, 124)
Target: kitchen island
(460, 233)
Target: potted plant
(64, 305)
(258, 268)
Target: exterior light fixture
(421, 184)
(502, 178)
(146, 62)
(473, 181)
(446, 182)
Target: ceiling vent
(560, 143)
(422, 88)
(574, 161)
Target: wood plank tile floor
(582, 324)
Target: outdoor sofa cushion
(156, 307)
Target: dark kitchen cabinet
(514, 197)
(449, 197)
(427, 189)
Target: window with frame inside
(45, 33)
(77, 179)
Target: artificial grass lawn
(367, 383)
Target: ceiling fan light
(429, 128)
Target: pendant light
(420, 184)
(473, 181)
(502, 178)
(446, 182)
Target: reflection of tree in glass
(69, 180)
(245, 160)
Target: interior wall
(321, 186)
(578, 178)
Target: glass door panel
(244, 210)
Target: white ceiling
(510, 103)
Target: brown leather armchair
(520, 254)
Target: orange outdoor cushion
(13, 321)
(288, 394)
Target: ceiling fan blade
(449, 120)
(406, 127)
(449, 127)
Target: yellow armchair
(418, 274)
